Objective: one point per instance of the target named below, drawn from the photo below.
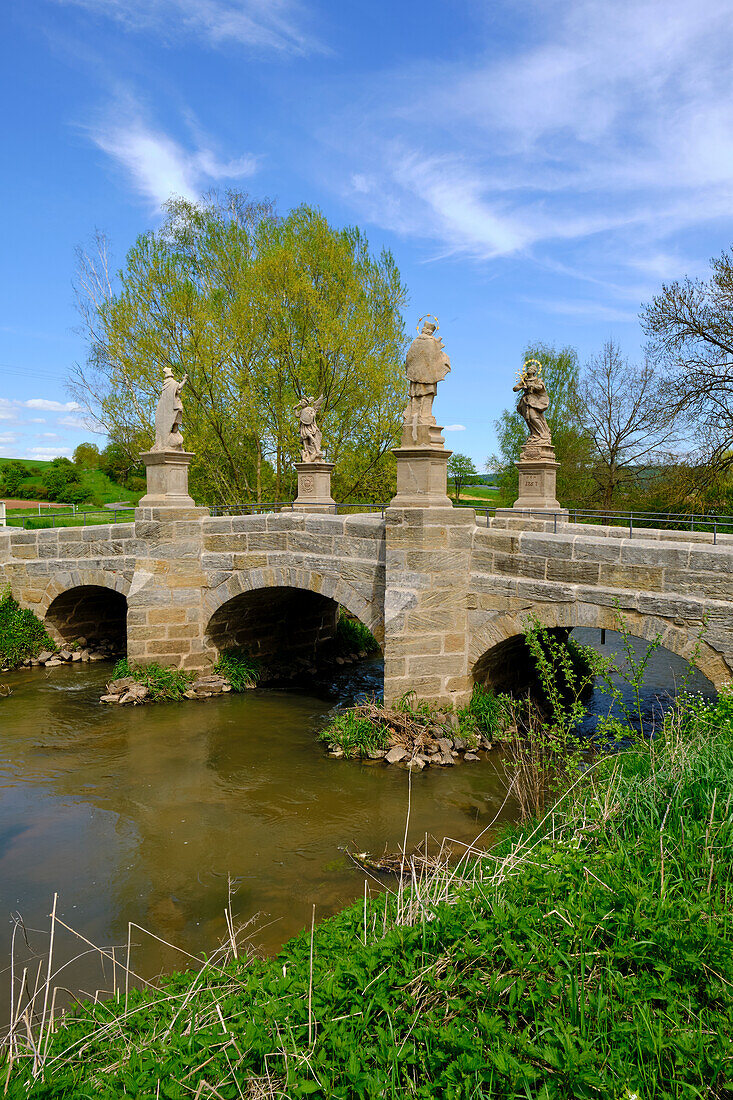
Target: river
(143, 814)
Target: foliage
(62, 480)
(586, 955)
(22, 634)
(87, 456)
(12, 475)
(630, 424)
(487, 713)
(162, 682)
(460, 469)
(355, 735)
(352, 636)
(241, 670)
(690, 325)
(570, 438)
(258, 310)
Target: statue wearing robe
(426, 364)
(169, 414)
(532, 405)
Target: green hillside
(97, 488)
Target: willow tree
(258, 310)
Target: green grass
(162, 682)
(587, 955)
(241, 670)
(22, 634)
(354, 734)
(42, 523)
(352, 636)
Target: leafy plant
(354, 734)
(241, 670)
(162, 682)
(22, 634)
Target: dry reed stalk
(310, 979)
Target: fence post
(631, 525)
(715, 531)
(555, 522)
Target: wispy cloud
(262, 25)
(455, 428)
(7, 412)
(605, 128)
(158, 166)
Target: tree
(12, 476)
(87, 456)
(570, 438)
(460, 468)
(629, 424)
(690, 325)
(62, 480)
(258, 310)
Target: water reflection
(143, 813)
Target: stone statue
(310, 435)
(169, 414)
(533, 403)
(426, 365)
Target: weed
(241, 670)
(161, 682)
(353, 637)
(354, 734)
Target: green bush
(161, 682)
(241, 670)
(487, 713)
(22, 634)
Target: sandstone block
(576, 572)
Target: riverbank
(588, 954)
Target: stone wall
(438, 590)
(576, 577)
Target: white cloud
(265, 25)
(455, 428)
(51, 406)
(158, 166)
(7, 412)
(608, 127)
(37, 420)
(6, 440)
(50, 435)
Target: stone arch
(65, 580)
(330, 586)
(88, 603)
(500, 629)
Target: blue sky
(537, 168)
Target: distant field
(479, 492)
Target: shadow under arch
(294, 617)
(499, 653)
(90, 611)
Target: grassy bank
(587, 954)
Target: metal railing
(632, 521)
(78, 519)
(249, 509)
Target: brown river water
(143, 813)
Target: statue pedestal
(314, 487)
(422, 476)
(537, 483)
(167, 478)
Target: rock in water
(396, 754)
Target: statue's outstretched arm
(317, 404)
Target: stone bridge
(446, 597)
